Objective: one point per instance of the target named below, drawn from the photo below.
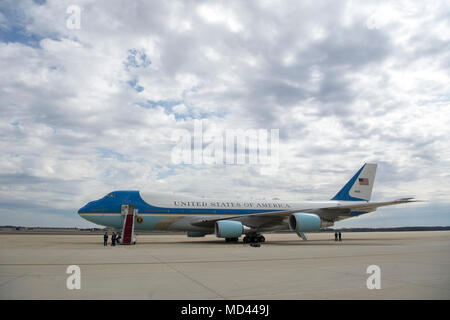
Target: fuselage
(162, 212)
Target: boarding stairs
(127, 235)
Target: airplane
(231, 219)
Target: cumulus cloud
(89, 110)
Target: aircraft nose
(87, 207)
(81, 210)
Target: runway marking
(13, 279)
(211, 261)
(189, 277)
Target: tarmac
(413, 265)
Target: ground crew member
(105, 239)
(340, 236)
(113, 239)
(335, 236)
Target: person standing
(113, 239)
(336, 236)
(340, 236)
(105, 239)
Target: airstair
(127, 235)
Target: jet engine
(304, 222)
(230, 229)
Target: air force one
(126, 211)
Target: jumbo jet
(231, 219)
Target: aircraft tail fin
(359, 187)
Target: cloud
(90, 110)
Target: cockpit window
(110, 194)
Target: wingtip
(410, 200)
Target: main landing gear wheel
(254, 238)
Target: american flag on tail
(364, 181)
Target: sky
(91, 93)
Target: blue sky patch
(134, 84)
(108, 153)
(137, 59)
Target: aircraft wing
(337, 213)
(279, 218)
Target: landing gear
(231, 239)
(254, 238)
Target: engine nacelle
(304, 222)
(229, 229)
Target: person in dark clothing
(105, 239)
(335, 236)
(340, 236)
(113, 239)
